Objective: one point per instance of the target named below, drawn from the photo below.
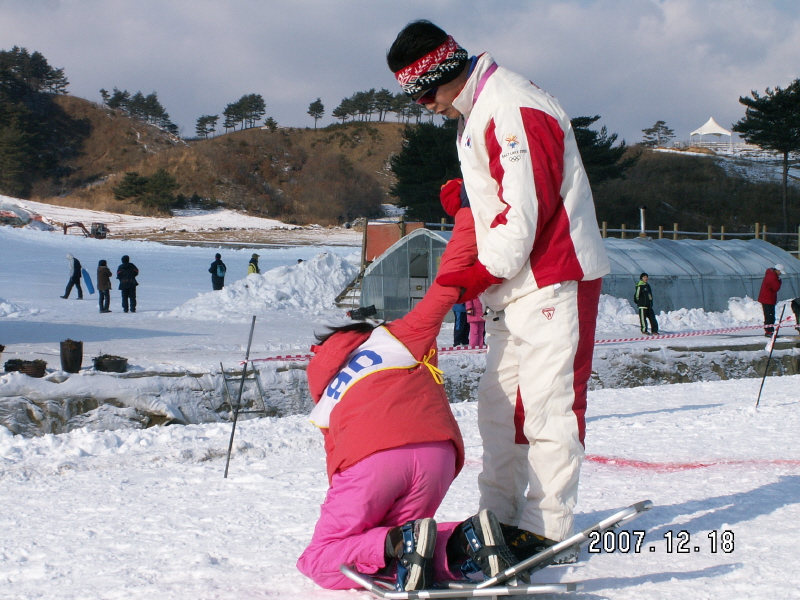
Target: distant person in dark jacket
(104, 285)
(643, 298)
(126, 273)
(74, 277)
(461, 326)
(217, 270)
(253, 266)
(768, 297)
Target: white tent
(711, 127)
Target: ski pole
(769, 358)
(239, 399)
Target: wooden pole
(674, 231)
(758, 226)
(605, 231)
(622, 233)
(722, 232)
(710, 232)
(661, 232)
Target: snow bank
(310, 285)
(615, 312)
(11, 310)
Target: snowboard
(509, 582)
(88, 281)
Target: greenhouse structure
(396, 280)
(697, 273)
(683, 273)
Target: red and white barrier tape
(482, 349)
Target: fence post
(758, 226)
(442, 221)
(674, 231)
(710, 232)
(722, 232)
(764, 232)
(622, 233)
(661, 232)
(605, 231)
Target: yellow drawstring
(438, 374)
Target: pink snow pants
(476, 333)
(382, 491)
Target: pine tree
(772, 122)
(316, 110)
(658, 135)
(601, 159)
(383, 102)
(426, 162)
(205, 125)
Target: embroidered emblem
(468, 142)
(548, 312)
(512, 141)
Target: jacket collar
(465, 101)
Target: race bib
(379, 352)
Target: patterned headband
(435, 68)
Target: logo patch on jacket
(548, 313)
(515, 149)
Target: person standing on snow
(768, 297)
(74, 277)
(252, 267)
(393, 449)
(477, 324)
(104, 286)
(643, 298)
(460, 325)
(217, 270)
(127, 273)
(540, 263)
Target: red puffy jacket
(770, 287)
(395, 407)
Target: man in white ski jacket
(540, 263)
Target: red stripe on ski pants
(382, 491)
(531, 406)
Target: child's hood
(329, 358)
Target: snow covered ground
(109, 510)
(147, 513)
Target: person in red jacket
(477, 325)
(768, 297)
(393, 448)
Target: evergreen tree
(426, 162)
(205, 125)
(119, 99)
(772, 122)
(383, 102)
(316, 109)
(156, 191)
(657, 135)
(104, 95)
(342, 111)
(601, 159)
(271, 124)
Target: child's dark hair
(358, 326)
(102, 263)
(417, 39)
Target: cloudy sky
(631, 61)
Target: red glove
(473, 280)
(450, 196)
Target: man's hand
(473, 280)
(450, 196)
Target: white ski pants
(531, 406)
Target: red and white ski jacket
(399, 405)
(534, 214)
